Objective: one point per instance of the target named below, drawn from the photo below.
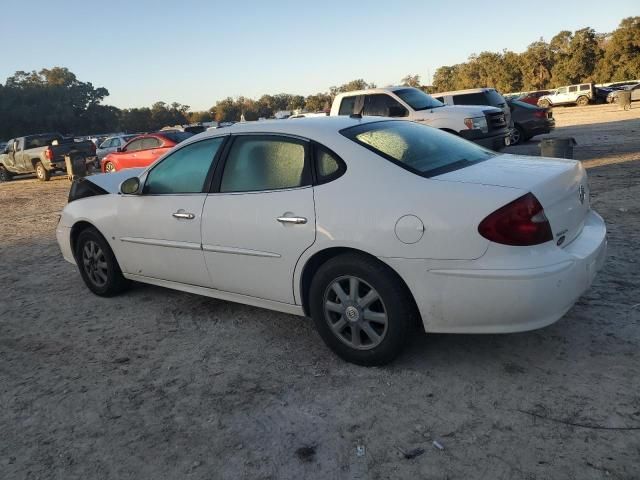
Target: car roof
(369, 91)
(314, 128)
(468, 90)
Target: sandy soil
(160, 384)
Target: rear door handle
(183, 214)
(293, 220)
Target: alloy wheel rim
(515, 136)
(355, 313)
(109, 168)
(95, 263)
(39, 172)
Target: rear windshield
(417, 99)
(177, 137)
(43, 140)
(420, 149)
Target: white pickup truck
(481, 124)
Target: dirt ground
(159, 384)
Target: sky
(196, 52)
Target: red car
(532, 97)
(142, 151)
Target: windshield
(417, 99)
(420, 149)
(177, 137)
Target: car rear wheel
(109, 167)
(517, 135)
(98, 265)
(5, 176)
(582, 101)
(42, 173)
(361, 309)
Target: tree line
(55, 100)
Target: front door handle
(183, 214)
(293, 220)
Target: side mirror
(130, 186)
(119, 149)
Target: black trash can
(624, 99)
(557, 147)
(76, 164)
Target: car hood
(111, 181)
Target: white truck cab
(484, 125)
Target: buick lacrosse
(370, 226)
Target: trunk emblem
(581, 194)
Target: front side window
(420, 149)
(382, 105)
(185, 170)
(257, 163)
(562, 90)
(471, 99)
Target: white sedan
(370, 226)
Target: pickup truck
(484, 125)
(41, 154)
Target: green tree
(621, 58)
(411, 80)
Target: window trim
(222, 162)
(206, 186)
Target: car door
(560, 96)
(129, 156)
(159, 229)
(22, 158)
(260, 217)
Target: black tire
(582, 101)
(109, 281)
(394, 301)
(42, 173)
(518, 136)
(5, 175)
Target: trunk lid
(559, 185)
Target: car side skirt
(219, 294)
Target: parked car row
(579, 94)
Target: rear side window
(185, 170)
(420, 149)
(257, 163)
(347, 106)
(573, 89)
(328, 165)
(135, 145)
(585, 87)
(150, 142)
(470, 99)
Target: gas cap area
(409, 229)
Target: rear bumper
(491, 295)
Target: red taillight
(49, 154)
(519, 223)
(540, 114)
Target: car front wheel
(109, 167)
(361, 309)
(98, 265)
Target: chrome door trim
(239, 251)
(161, 243)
